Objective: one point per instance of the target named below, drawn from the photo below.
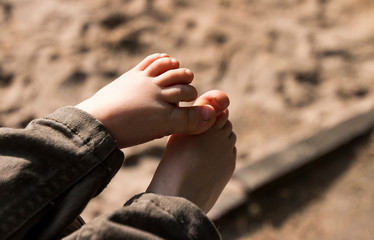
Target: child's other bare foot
(197, 167)
(215, 98)
(142, 104)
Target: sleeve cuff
(91, 133)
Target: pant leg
(151, 217)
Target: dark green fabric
(52, 168)
(41, 164)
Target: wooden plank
(300, 153)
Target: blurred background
(291, 68)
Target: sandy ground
(290, 67)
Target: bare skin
(198, 167)
(142, 104)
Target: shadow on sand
(274, 203)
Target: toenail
(205, 113)
(173, 60)
(188, 72)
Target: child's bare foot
(142, 104)
(198, 167)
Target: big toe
(149, 60)
(161, 65)
(192, 120)
(215, 98)
(202, 115)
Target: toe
(161, 65)
(227, 128)
(232, 137)
(217, 99)
(179, 93)
(149, 60)
(221, 119)
(234, 152)
(174, 77)
(192, 120)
